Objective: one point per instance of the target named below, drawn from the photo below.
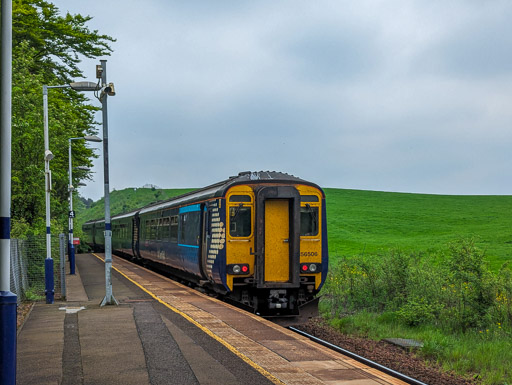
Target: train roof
(219, 189)
(250, 177)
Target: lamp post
(71, 246)
(48, 156)
(107, 90)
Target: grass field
(365, 222)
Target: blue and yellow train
(259, 238)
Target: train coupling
(278, 299)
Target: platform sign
(76, 241)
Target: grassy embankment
(395, 272)
(425, 267)
(125, 200)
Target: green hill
(374, 222)
(125, 200)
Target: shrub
(416, 311)
(473, 285)
(503, 305)
(460, 293)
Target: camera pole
(109, 297)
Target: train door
(205, 236)
(135, 235)
(277, 237)
(277, 240)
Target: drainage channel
(359, 358)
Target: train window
(239, 198)
(308, 220)
(309, 198)
(189, 228)
(174, 228)
(145, 229)
(240, 221)
(153, 229)
(158, 228)
(164, 234)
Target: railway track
(359, 358)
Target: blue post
(7, 299)
(8, 309)
(48, 280)
(72, 259)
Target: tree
(52, 36)
(46, 50)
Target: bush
(473, 285)
(502, 310)
(416, 311)
(459, 294)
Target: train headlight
(310, 268)
(238, 269)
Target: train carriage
(259, 238)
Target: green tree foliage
(47, 49)
(52, 36)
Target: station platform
(163, 333)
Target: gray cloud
(478, 49)
(329, 56)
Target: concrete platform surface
(78, 342)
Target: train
(258, 239)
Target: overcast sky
(396, 95)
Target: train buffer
(162, 333)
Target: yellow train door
(277, 240)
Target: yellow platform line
(230, 347)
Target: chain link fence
(27, 267)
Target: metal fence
(27, 267)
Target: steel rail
(359, 358)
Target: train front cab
(275, 243)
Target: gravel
(386, 354)
(22, 313)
